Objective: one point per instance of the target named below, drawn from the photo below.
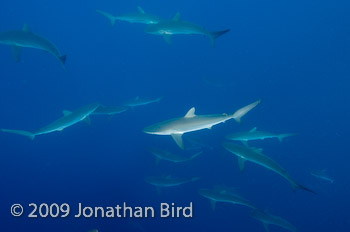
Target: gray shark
(268, 219)
(169, 156)
(222, 195)
(245, 153)
(322, 174)
(141, 101)
(168, 181)
(253, 134)
(178, 126)
(178, 27)
(27, 39)
(69, 119)
(110, 110)
(139, 17)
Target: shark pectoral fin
(213, 204)
(178, 140)
(241, 163)
(167, 38)
(87, 120)
(266, 226)
(66, 112)
(16, 53)
(140, 10)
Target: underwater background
(292, 54)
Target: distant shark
(245, 153)
(139, 17)
(137, 101)
(254, 134)
(322, 174)
(27, 39)
(178, 27)
(222, 195)
(268, 219)
(109, 110)
(178, 126)
(69, 119)
(168, 181)
(175, 158)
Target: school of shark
(177, 128)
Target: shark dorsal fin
(26, 28)
(177, 17)
(140, 10)
(253, 130)
(66, 112)
(191, 113)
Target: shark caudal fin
(282, 136)
(214, 35)
(108, 15)
(20, 132)
(63, 59)
(244, 110)
(296, 185)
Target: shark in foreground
(178, 126)
(222, 195)
(245, 153)
(254, 134)
(69, 119)
(322, 174)
(137, 101)
(268, 219)
(166, 155)
(178, 27)
(27, 39)
(110, 110)
(139, 17)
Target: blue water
(292, 54)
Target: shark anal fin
(241, 163)
(167, 38)
(178, 140)
(16, 53)
(213, 204)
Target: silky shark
(245, 153)
(161, 154)
(178, 27)
(168, 181)
(109, 110)
(140, 17)
(322, 174)
(69, 119)
(222, 195)
(254, 134)
(178, 126)
(268, 219)
(137, 101)
(27, 39)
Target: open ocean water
(294, 55)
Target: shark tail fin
(297, 185)
(108, 15)
(283, 136)
(63, 59)
(20, 132)
(214, 35)
(244, 110)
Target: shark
(191, 122)
(223, 195)
(169, 181)
(322, 174)
(25, 38)
(137, 101)
(268, 219)
(139, 17)
(245, 153)
(176, 26)
(109, 110)
(175, 158)
(69, 118)
(254, 134)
